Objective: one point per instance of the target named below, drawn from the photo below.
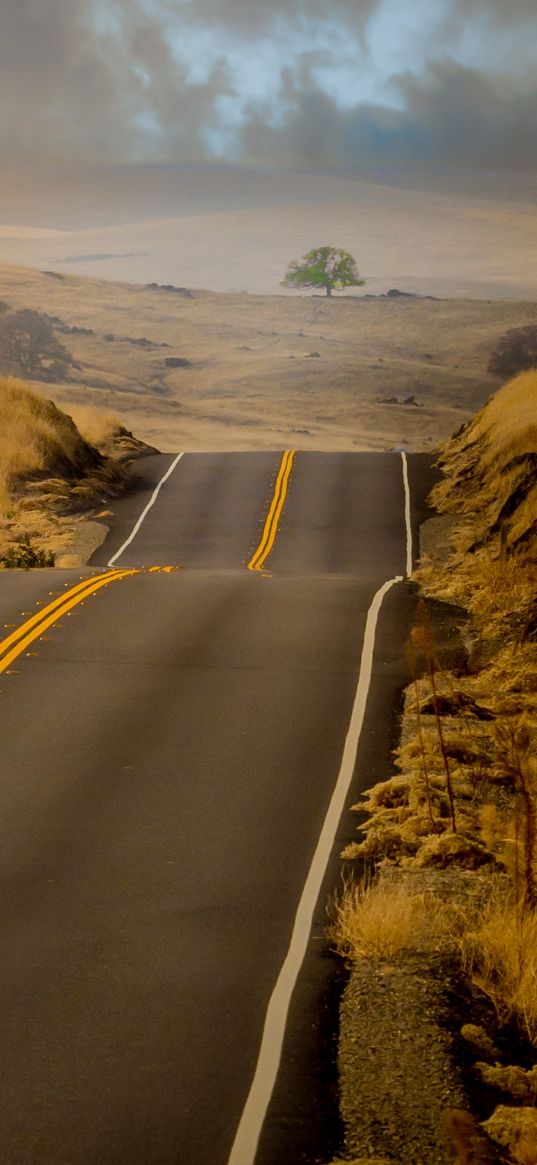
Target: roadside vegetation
(451, 838)
(53, 473)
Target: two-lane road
(170, 749)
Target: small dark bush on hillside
(515, 352)
(29, 348)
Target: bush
(516, 352)
(25, 556)
(29, 348)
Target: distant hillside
(234, 228)
(198, 369)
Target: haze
(209, 143)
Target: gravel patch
(398, 1075)
(86, 538)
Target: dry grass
(376, 921)
(508, 420)
(499, 952)
(490, 472)
(252, 383)
(47, 470)
(34, 435)
(96, 426)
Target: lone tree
(324, 267)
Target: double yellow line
(270, 528)
(13, 645)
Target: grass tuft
(375, 920)
(96, 426)
(499, 952)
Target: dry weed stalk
(411, 657)
(423, 641)
(514, 758)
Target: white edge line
(249, 1131)
(145, 512)
(408, 524)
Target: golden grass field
(254, 382)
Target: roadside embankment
(55, 474)
(443, 940)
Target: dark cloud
(74, 87)
(452, 116)
(62, 88)
(465, 116)
(251, 17)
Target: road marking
(270, 528)
(408, 524)
(145, 512)
(13, 645)
(85, 586)
(249, 1131)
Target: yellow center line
(34, 627)
(81, 587)
(270, 528)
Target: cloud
(291, 80)
(63, 87)
(464, 116)
(452, 115)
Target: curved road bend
(169, 751)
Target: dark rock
(177, 362)
(184, 291)
(394, 293)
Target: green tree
(323, 267)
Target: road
(170, 749)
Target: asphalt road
(169, 751)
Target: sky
(334, 84)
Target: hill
(206, 370)
(52, 472)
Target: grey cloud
(68, 91)
(62, 89)
(251, 17)
(453, 116)
(467, 117)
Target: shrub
(29, 348)
(515, 352)
(24, 555)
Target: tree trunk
(328, 289)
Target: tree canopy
(325, 267)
